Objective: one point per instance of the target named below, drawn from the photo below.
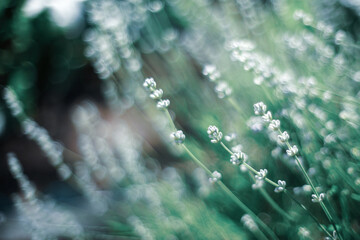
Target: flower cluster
(260, 108)
(318, 199)
(12, 102)
(274, 124)
(249, 222)
(261, 174)
(230, 137)
(156, 94)
(216, 176)
(178, 137)
(284, 137)
(244, 51)
(211, 72)
(258, 184)
(238, 158)
(52, 149)
(292, 151)
(222, 89)
(214, 134)
(281, 187)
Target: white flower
(14, 165)
(222, 90)
(261, 174)
(230, 137)
(259, 108)
(211, 72)
(157, 94)
(149, 84)
(317, 199)
(281, 187)
(274, 125)
(335, 236)
(267, 117)
(304, 232)
(292, 151)
(249, 222)
(258, 184)
(216, 176)
(12, 102)
(178, 136)
(214, 134)
(162, 104)
(284, 137)
(237, 148)
(237, 158)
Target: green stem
(236, 106)
(323, 206)
(170, 120)
(285, 191)
(196, 160)
(246, 209)
(311, 215)
(262, 191)
(226, 148)
(230, 194)
(272, 202)
(249, 167)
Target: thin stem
(246, 209)
(170, 119)
(323, 206)
(311, 215)
(262, 191)
(196, 160)
(223, 186)
(249, 167)
(276, 185)
(236, 106)
(230, 194)
(272, 202)
(226, 148)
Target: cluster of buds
(260, 108)
(334, 236)
(258, 184)
(261, 174)
(281, 187)
(211, 72)
(274, 124)
(238, 158)
(178, 137)
(249, 222)
(214, 134)
(284, 137)
(222, 89)
(292, 151)
(156, 94)
(318, 199)
(216, 176)
(301, 16)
